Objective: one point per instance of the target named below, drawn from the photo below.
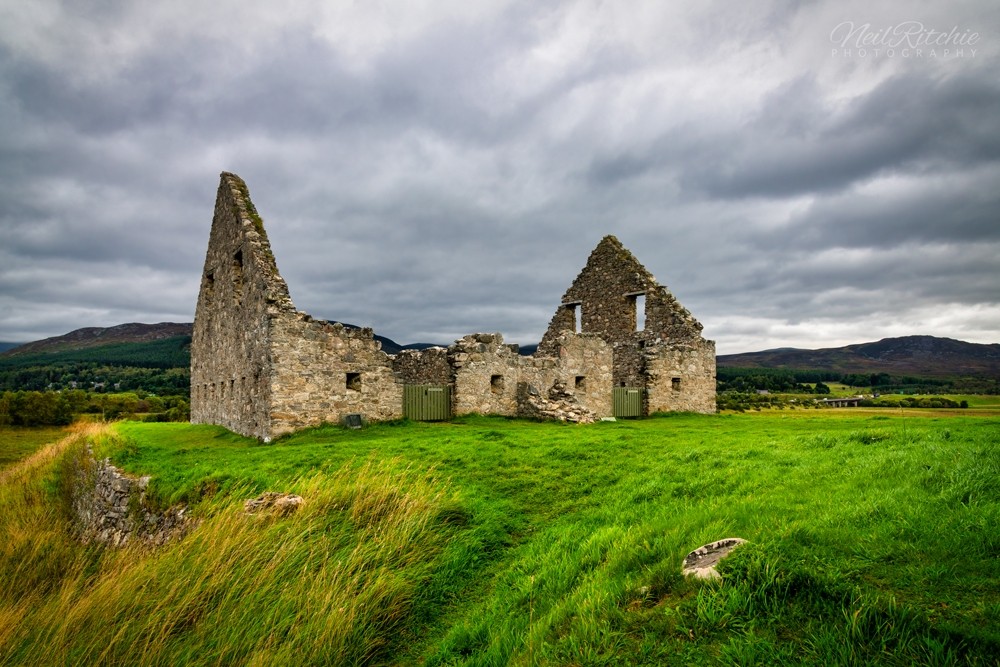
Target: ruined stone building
(619, 344)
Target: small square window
(581, 382)
(675, 384)
(354, 381)
(496, 384)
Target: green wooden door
(627, 401)
(427, 403)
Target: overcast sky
(804, 174)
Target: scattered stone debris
(701, 562)
(282, 503)
(560, 405)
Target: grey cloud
(918, 210)
(457, 180)
(907, 124)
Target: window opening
(496, 384)
(639, 303)
(581, 382)
(238, 277)
(675, 384)
(209, 286)
(354, 381)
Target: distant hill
(92, 337)
(7, 346)
(926, 356)
(151, 357)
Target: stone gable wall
(241, 293)
(606, 293)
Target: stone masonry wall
(488, 373)
(427, 366)
(682, 378)
(261, 368)
(323, 371)
(583, 363)
(110, 507)
(241, 294)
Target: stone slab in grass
(701, 562)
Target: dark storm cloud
(907, 124)
(798, 144)
(962, 212)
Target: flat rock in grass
(701, 562)
(282, 503)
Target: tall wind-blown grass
(330, 584)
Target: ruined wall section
(241, 293)
(583, 364)
(490, 376)
(681, 377)
(427, 366)
(486, 372)
(110, 507)
(323, 371)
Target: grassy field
(17, 442)
(485, 541)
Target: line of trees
(57, 408)
(769, 379)
(94, 377)
(160, 367)
(792, 381)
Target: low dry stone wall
(110, 507)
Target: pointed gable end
(616, 298)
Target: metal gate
(427, 403)
(627, 401)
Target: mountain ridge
(89, 337)
(904, 355)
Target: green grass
(488, 541)
(18, 442)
